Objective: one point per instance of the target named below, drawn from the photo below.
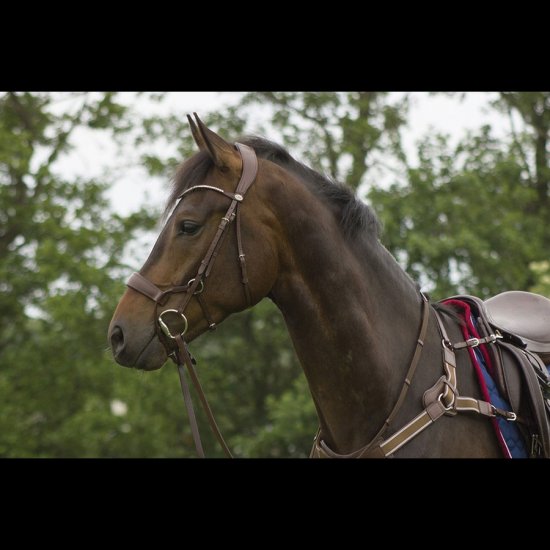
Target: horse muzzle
(128, 353)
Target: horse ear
(196, 134)
(223, 154)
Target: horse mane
(354, 216)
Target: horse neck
(353, 316)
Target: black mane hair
(354, 216)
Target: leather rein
(443, 398)
(175, 344)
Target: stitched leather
(515, 369)
(144, 286)
(442, 399)
(138, 282)
(364, 452)
(431, 394)
(524, 314)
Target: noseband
(175, 344)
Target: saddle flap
(519, 373)
(532, 406)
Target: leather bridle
(175, 344)
(442, 399)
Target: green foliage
(248, 366)
(541, 271)
(60, 264)
(472, 218)
(340, 133)
(288, 429)
(61, 273)
(461, 220)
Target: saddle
(523, 314)
(519, 353)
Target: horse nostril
(117, 340)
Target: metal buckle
(473, 342)
(164, 326)
(440, 399)
(496, 336)
(201, 286)
(447, 344)
(509, 416)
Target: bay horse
(357, 320)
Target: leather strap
(210, 188)
(144, 286)
(474, 342)
(529, 363)
(441, 399)
(412, 368)
(242, 259)
(250, 168)
(183, 356)
(206, 312)
(190, 411)
(138, 282)
(375, 443)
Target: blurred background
(460, 182)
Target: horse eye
(188, 228)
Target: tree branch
(517, 144)
(61, 142)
